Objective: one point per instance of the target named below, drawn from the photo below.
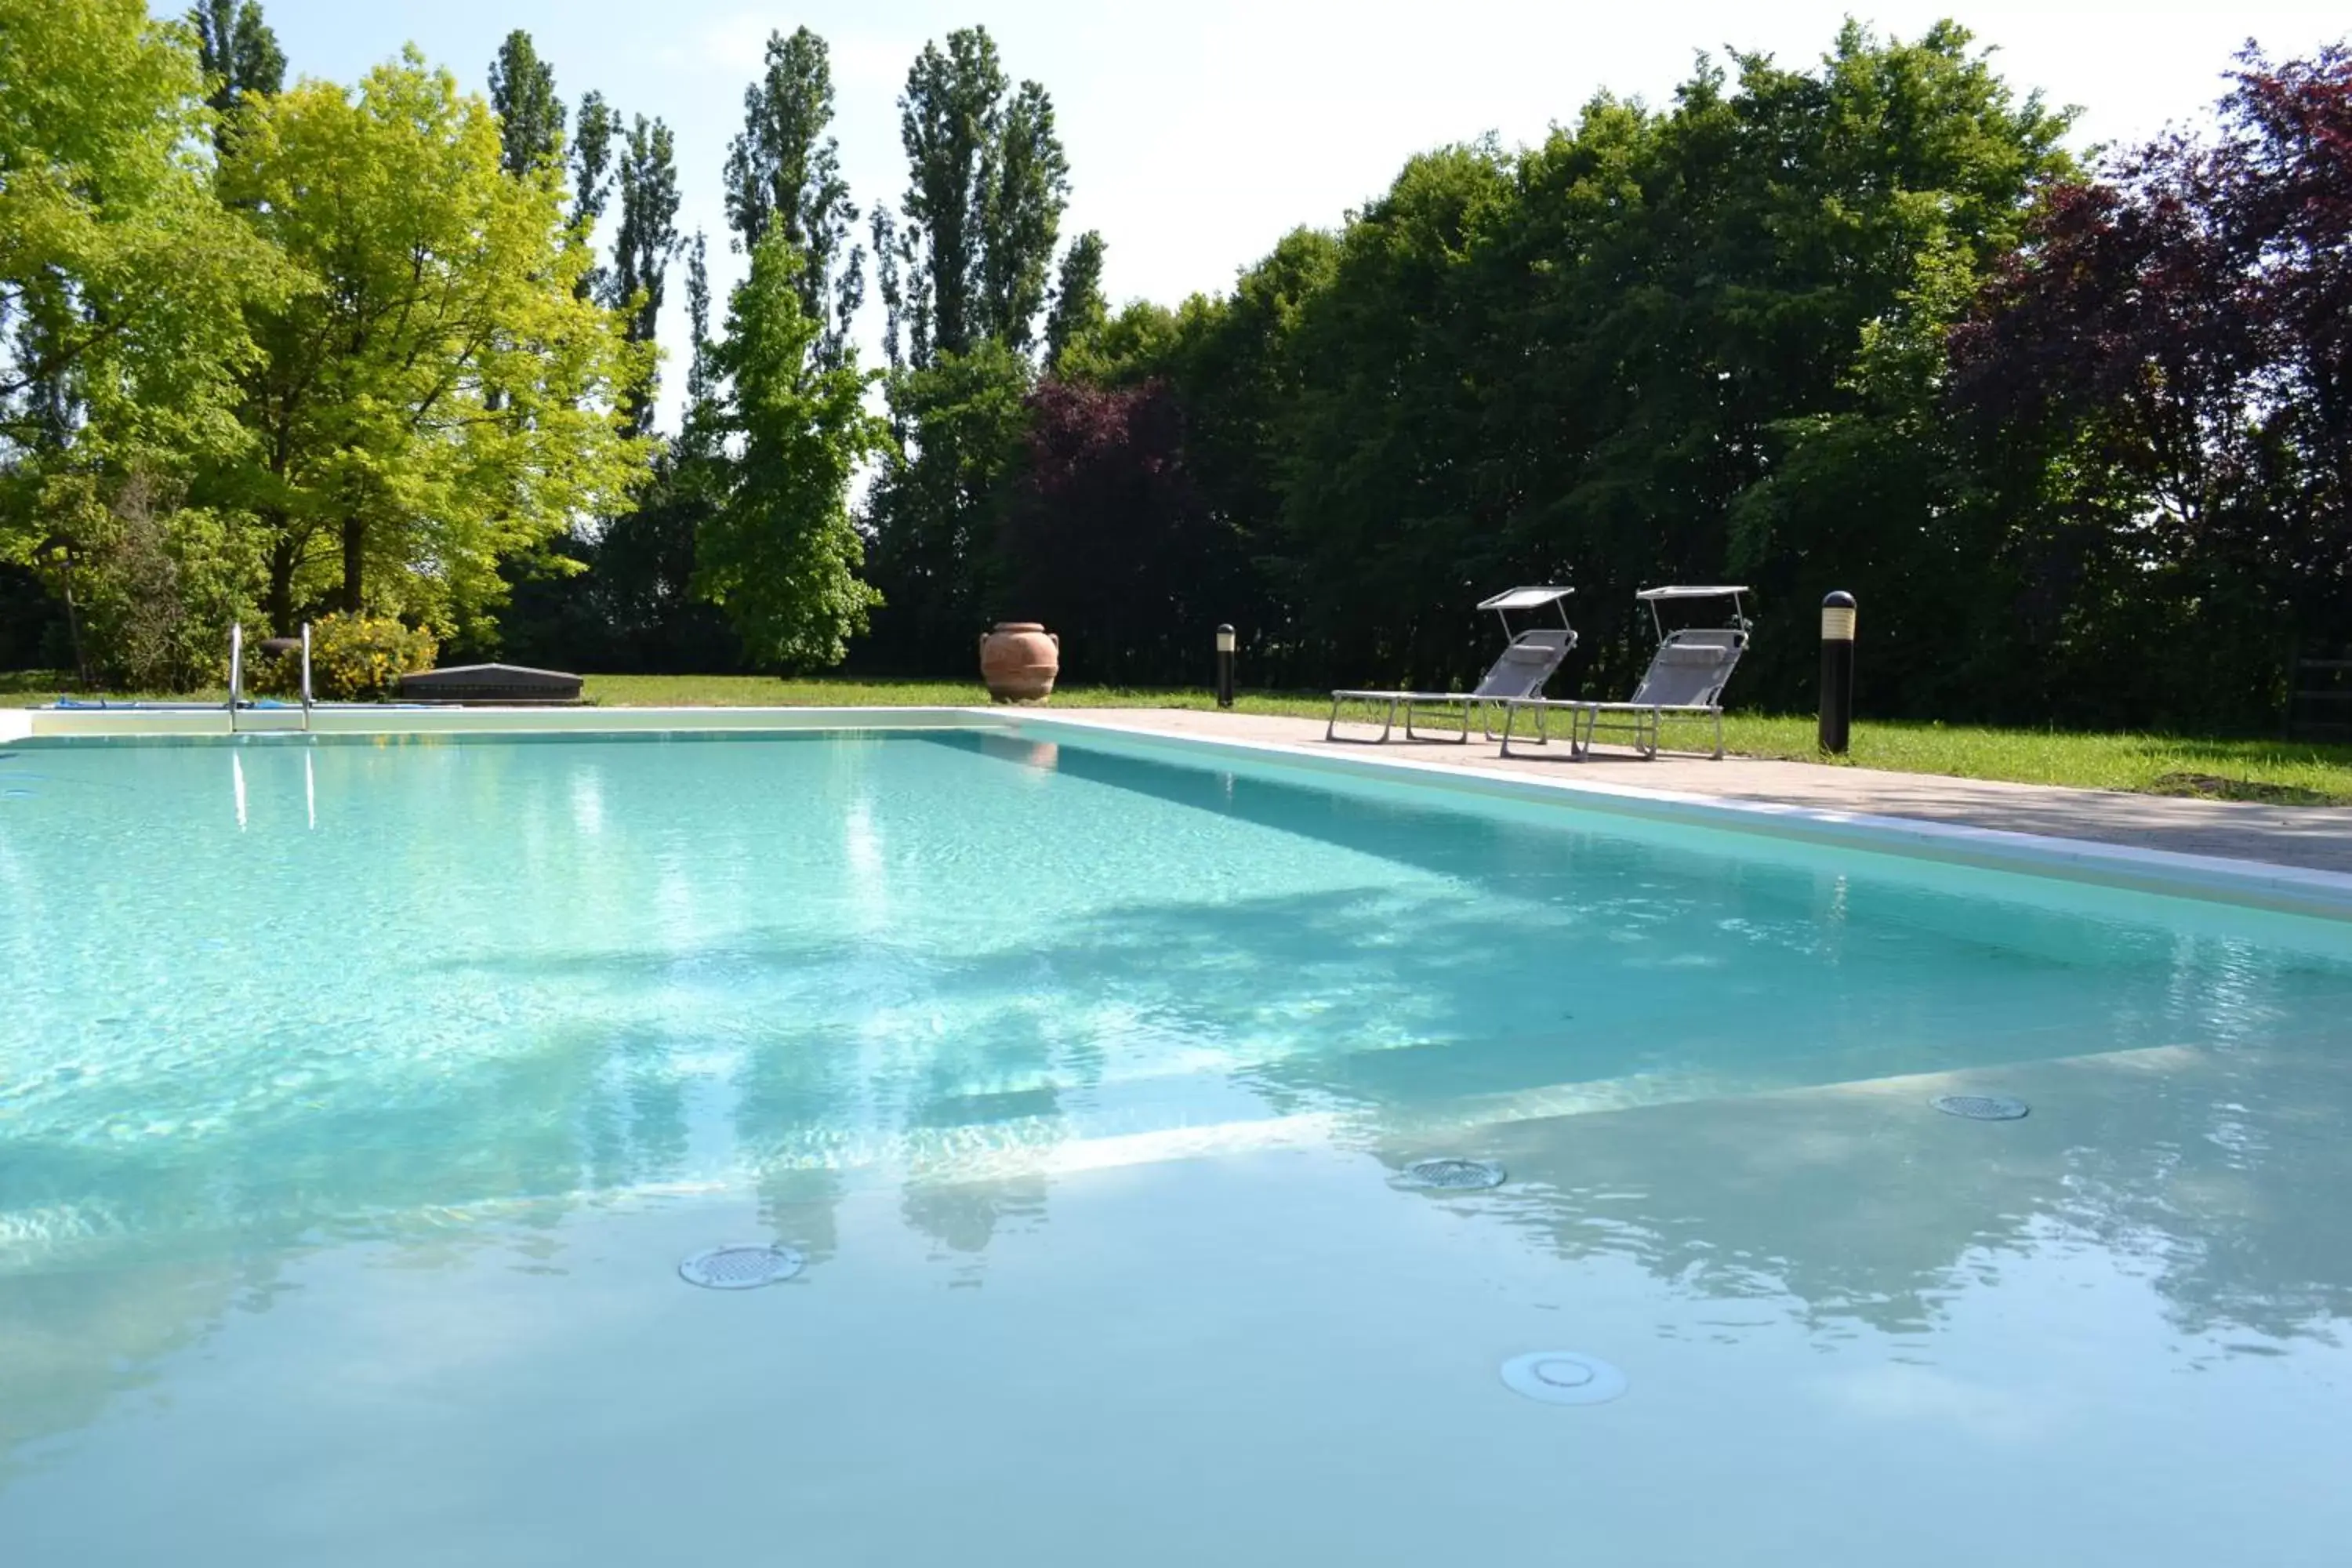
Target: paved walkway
(2316, 839)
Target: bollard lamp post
(1837, 672)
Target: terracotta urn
(1019, 660)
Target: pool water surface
(358, 1102)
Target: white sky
(1198, 133)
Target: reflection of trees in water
(123, 1256)
(573, 1116)
(2213, 1176)
(964, 1216)
(70, 1341)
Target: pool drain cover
(1563, 1378)
(1454, 1175)
(740, 1268)
(1981, 1107)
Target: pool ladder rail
(237, 701)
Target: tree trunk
(280, 606)
(354, 537)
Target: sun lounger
(1528, 659)
(1686, 679)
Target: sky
(1199, 133)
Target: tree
(964, 279)
(123, 287)
(436, 395)
(888, 281)
(784, 171)
(781, 555)
(1023, 198)
(530, 115)
(592, 184)
(644, 248)
(2170, 348)
(934, 506)
(1637, 353)
(701, 374)
(1078, 307)
(122, 278)
(989, 180)
(240, 54)
(1107, 537)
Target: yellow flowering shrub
(361, 658)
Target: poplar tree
(988, 181)
(644, 246)
(1078, 307)
(530, 115)
(239, 56)
(592, 183)
(784, 172)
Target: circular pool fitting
(1563, 1378)
(740, 1268)
(1981, 1107)
(1451, 1175)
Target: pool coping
(2293, 889)
(2290, 889)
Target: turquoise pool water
(357, 1102)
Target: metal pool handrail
(237, 674)
(235, 670)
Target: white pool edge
(2292, 890)
(386, 719)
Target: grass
(2281, 772)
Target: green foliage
(1661, 346)
(240, 54)
(592, 185)
(151, 586)
(780, 555)
(1027, 185)
(988, 183)
(966, 279)
(524, 97)
(784, 172)
(644, 250)
(1079, 308)
(120, 277)
(361, 658)
(435, 396)
(934, 506)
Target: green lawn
(2270, 770)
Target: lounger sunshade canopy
(1525, 598)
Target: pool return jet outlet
(744, 1265)
(1982, 1107)
(1452, 1176)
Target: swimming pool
(358, 1102)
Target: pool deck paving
(2314, 838)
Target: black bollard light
(1837, 672)
(1224, 667)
